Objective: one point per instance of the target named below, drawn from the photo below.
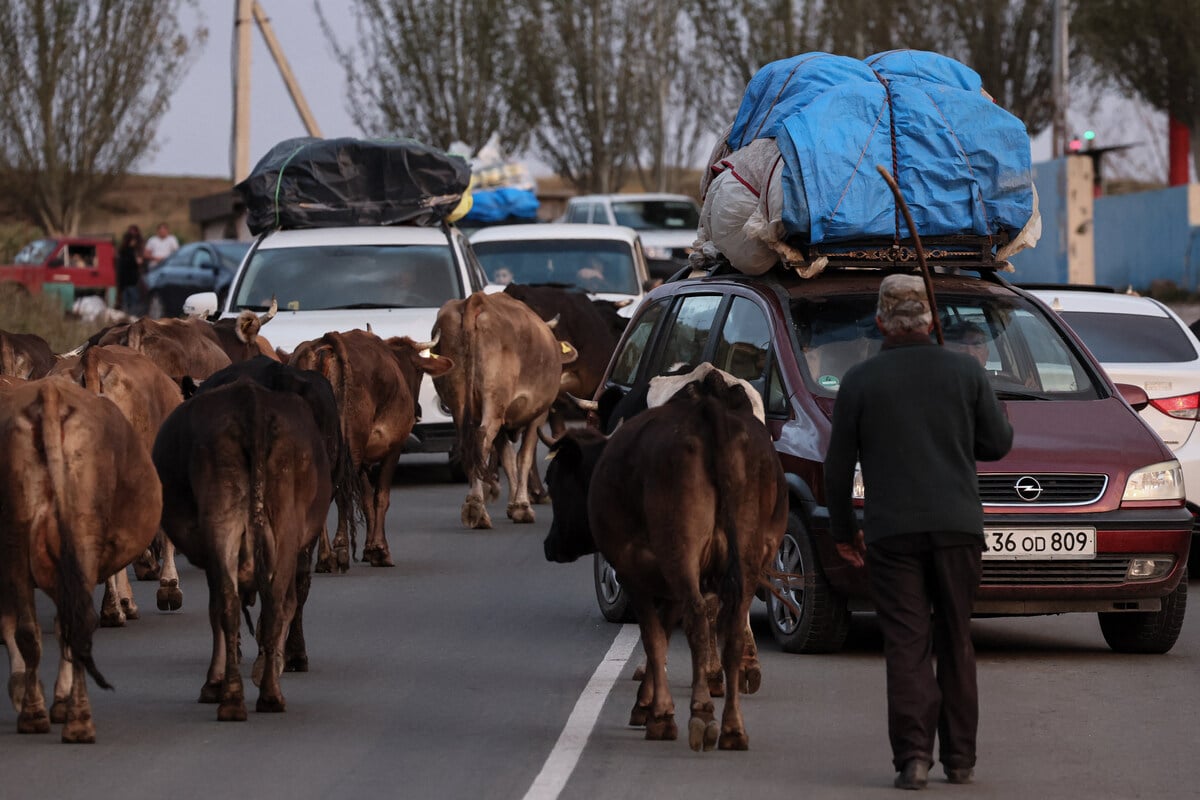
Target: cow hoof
(520, 512)
(474, 515)
(169, 597)
(702, 734)
(751, 679)
(734, 740)
(80, 731)
(662, 729)
(33, 722)
(112, 618)
(638, 716)
(232, 712)
(341, 557)
(324, 564)
(639, 674)
(211, 692)
(273, 705)
(716, 685)
(296, 664)
(130, 608)
(145, 567)
(378, 557)
(58, 711)
(539, 498)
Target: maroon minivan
(1086, 513)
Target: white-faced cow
(145, 396)
(376, 383)
(509, 371)
(78, 499)
(246, 490)
(684, 499)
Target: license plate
(1039, 543)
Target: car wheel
(820, 620)
(155, 309)
(614, 603)
(1147, 632)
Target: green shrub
(23, 312)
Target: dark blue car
(196, 267)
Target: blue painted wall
(1138, 238)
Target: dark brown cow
(239, 336)
(376, 384)
(24, 355)
(246, 490)
(684, 498)
(78, 499)
(510, 370)
(179, 346)
(145, 396)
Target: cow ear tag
(829, 381)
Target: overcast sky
(194, 135)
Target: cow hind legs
(112, 615)
(520, 512)
(378, 556)
(33, 721)
(474, 514)
(662, 728)
(169, 596)
(702, 734)
(145, 566)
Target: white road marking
(569, 747)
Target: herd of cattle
(157, 435)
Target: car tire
(823, 621)
(155, 308)
(613, 601)
(1147, 632)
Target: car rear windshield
(1023, 354)
(350, 276)
(594, 265)
(650, 215)
(1131, 338)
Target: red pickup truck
(68, 267)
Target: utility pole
(1059, 80)
(248, 12)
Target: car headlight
(657, 253)
(1156, 482)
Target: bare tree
(83, 85)
(436, 70)
(1147, 48)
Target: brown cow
(145, 396)
(179, 346)
(78, 499)
(24, 355)
(376, 384)
(681, 499)
(246, 490)
(510, 369)
(239, 336)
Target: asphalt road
(454, 674)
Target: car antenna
(912, 229)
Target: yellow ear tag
(566, 348)
(427, 353)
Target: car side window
(689, 333)
(202, 258)
(744, 341)
(626, 365)
(775, 401)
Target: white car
(666, 222)
(606, 262)
(1140, 341)
(392, 278)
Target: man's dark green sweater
(916, 417)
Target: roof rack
(961, 250)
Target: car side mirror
(1134, 395)
(201, 304)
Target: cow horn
(586, 405)
(369, 328)
(553, 322)
(270, 314)
(422, 346)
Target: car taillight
(1185, 406)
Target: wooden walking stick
(916, 237)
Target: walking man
(162, 244)
(917, 417)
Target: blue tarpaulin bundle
(502, 204)
(962, 161)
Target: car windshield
(35, 252)
(1131, 338)
(652, 215)
(1024, 355)
(594, 265)
(350, 276)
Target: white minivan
(666, 223)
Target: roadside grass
(22, 312)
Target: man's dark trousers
(908, 581)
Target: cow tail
(255, 544)
(350, 490)
(76, 613)
(8, 360)
(468, 432)
(725, 481)
(91, 370)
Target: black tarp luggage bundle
(316, 183)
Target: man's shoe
(915, 774)
(959, 774)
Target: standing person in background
(917, 417)
(160, 245)
(130, 265)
